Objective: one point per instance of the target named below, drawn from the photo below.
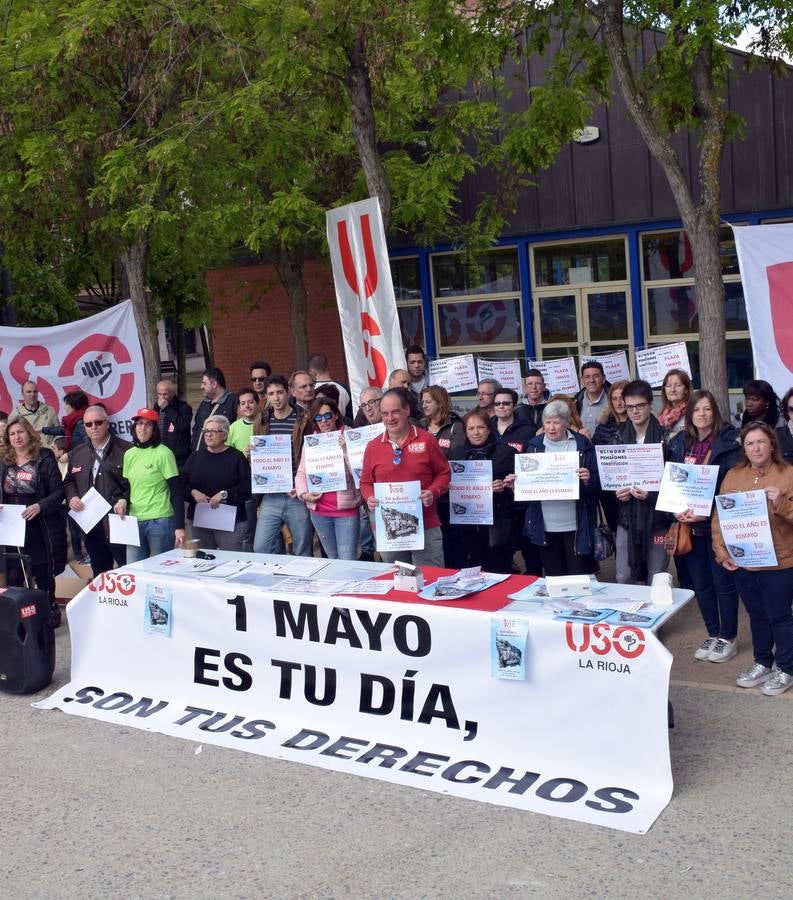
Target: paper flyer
(356, 440)
(615, 365)
(560, 375)
(471, 492)
(271, 464)
(324, 460)
(685, 486)
(505, 371)
(547, 476)
(455, 373)
(653, 363)
(399, 519)
(157, 611)
(745, 529)
(508, 638)
(630, 465)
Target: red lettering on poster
(780, 298)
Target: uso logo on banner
(99, 355)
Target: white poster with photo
(745, 529)
(615, 365)
(560, 375)
(505, 371)
(547, 476)
(356, 440)
(686, 486)
(630, 465)
(653, 363)
(271, 464)
(455, 373)
(398, 516)
(471, 492)
(324, 460)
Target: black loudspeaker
(27, 640)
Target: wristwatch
(224, 495)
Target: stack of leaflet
(462, 584)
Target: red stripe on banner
(780, 298)
(347, 262)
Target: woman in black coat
(489, 546)
(29, 477)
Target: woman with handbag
(489, 546)
(707, 440)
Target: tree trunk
(133, 261)
(290, 271)
(359, 89)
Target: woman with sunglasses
(334, 514)
(221, 475)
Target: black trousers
(559, 556)
(104, 555)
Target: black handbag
(603, 542)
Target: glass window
(667, 255)
(607, 319)
(479, 322)
(580, 263)
(405, 275)
(495, 272)
(739, 362)
(558, 321)
(411, 324)
(673, 310)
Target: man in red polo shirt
(421, 459)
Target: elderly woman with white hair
(221, 476)
(564, 529)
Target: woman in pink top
(334, 514)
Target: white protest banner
(235, 675)
(743, 519)
(547, 476)
(505, 371)
(455, 373)
(99, 355)
(686, 486)
(653, 363)
(324, 460)
(765, 256)
(356, 440)
(365, 294)
(615, 365)
(271, 464)
(560, 374)
(630, 465)
(398, 516)
(471, 492)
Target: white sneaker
(723, 650)
(703, 651)
(754, 676)
(777, 683)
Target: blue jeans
(275, 511)
(767, 597)
(337, 534)
(715, 588)
(156, 536)
(366, 534)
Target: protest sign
(686, 486)
(653, 363)
(745, 529)
(356, 440)
(271, 464)
(471, 492)
(399, 522)
(505, 371)
(547, 476)
(560, 374)
(455, 373)
(615, 365)
(324, 461)
(630, 465)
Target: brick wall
(250, 319)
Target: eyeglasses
(213, 431)
(258, 378)
(635, 407)
(323, 417)
(397, 454)
(370, 403)
(94, 423)
(503, 403)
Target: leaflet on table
(653, 363)
(177, 565)
(583, 615)
(630, 465)
(537, 591)
(560, 375)
(271, 464)
(685, 486)
(12, 525)
(455, 587)
(399, 522)
(324, 461)
(455, 373)
(298, 585)
(356, 440)
(547, 476)
(508, 648)
(745, 529)
(471, 492)
(157, 611)
(505, 371)
(622, 604)
(644, 619)
(615, 365)
(369, 587)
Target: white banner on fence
(323, 681)
(455, 373)
(653, 363)
(100, 355)
(560, 374)
(765, 256)
(615, 365)
(365, 294)
(505, 371)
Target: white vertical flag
(365, 294)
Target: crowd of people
(178, 461)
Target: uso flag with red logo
(100, 355)
(765, 255)
(365, 294)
